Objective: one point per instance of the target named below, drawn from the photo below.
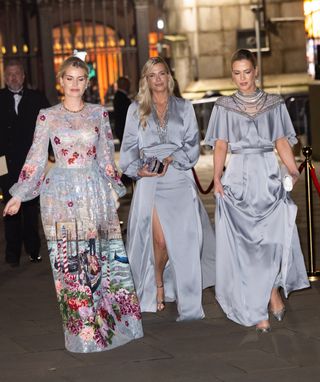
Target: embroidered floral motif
(27, 172)
(110, 170)
(56, 140)
(42, 117)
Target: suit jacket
(121, 103)
(16, 131)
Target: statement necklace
(161, 120)
(73, 111)
(252, 103)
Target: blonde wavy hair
(144, 96)
(75, 62)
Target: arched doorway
(104, 54)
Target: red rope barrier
(315, 179)
(199, 185)
(302, 166)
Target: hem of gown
(111, 347)
(288, 291)
(231, 316)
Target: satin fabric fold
(257, 243)
(187, 229)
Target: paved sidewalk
(213, 349)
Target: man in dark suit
(121, 103)
(19, 108)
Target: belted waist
(252, 150)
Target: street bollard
(312, 273)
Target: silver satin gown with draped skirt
(188, 232)
(257, 243)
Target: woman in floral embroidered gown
(93, 281)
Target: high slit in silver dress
(187, 229)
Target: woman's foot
(160, 298)
(263, 326)
(277, 307)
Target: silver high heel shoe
(280, 314)
(263, 330)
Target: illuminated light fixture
(14, 49)
(122, 42)
(132, 41)
(160, 24)
(312, 18)
(3, 50)
(153, 38)
(25, 48)
(79, 45)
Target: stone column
(143, 29)
(45, 27)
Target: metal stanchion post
(313, 274)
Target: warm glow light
(25, 48)
(14, 49)
(79, 45)
(312, 18)
(122, 42)
(132, 41)
(3, 50)
(153, 38)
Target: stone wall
(211, 29)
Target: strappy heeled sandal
(161, 304)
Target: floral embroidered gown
(92, 277)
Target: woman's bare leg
(160, 257)
(276, 303)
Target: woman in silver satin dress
(257, 244)
(92, 277)
(170, 238)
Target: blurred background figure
(121, 103)
(92, 92)
(19, 108)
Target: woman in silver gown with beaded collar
(257, 244)
(170, 238)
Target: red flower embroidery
(42, 117)
(109, 135)
(96, 130)
(70, 204)
(64, 152)
(71, 160)
(94, 149)
(56, 140)
(75, 155)
(105, 114)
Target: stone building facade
(213, 30)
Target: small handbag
(154, 165)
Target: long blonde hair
(144, 96)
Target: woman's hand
(218, 188)
(12, 207)
(166, 162)
(143, 172)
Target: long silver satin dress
(188, 232)
(257, 243)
